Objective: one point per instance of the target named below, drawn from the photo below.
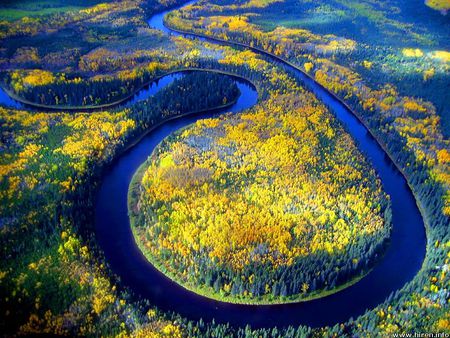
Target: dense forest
(411, 131)
(54, 279)
(43, 61)
(45, 88)
(416, 120)
(195, 91)
(30, 179)
(376, 42)
(249, 209)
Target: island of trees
(272, 205)
(392, 72)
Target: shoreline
(417, 199)
(93, 108)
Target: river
(400, 264)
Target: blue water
(7, 101)
(153, 88)
(400, 264)
(143, 94)
(157, 20)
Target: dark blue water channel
(400, 264)
(144, 93)
(7, 101)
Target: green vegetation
(97, 61)
(388, 63)
(352, 34)
(55, 270)
(13, 10)
(416, 121)
(272, 205)
(408, 127)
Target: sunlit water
(400, 264)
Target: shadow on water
(400, 264)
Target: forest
(47, 89)
(372, 40)
(251, 208)
(388, 61)
(30, 177)
(418, 122)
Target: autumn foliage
(265, 190)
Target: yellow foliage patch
(38, 77)
(251, 187)
(412, 53)
(308, 66)
(442, 55)
(440, 5)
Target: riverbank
(373, 134)
(91, 108)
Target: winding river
(400, 264)
(144, 93)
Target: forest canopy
(273, 204)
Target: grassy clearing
(12, 14)
(15, 10)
